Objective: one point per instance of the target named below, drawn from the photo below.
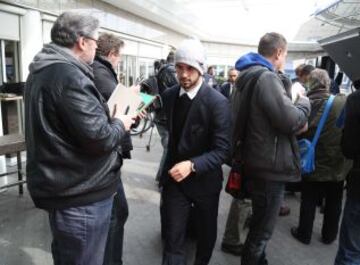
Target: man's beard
(187, 84)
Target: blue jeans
(119, 215)
(349, 242)
(80, 233)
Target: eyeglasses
(90, 38)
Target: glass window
(121, 71)
(11, 61)
(1, 64)
(151, 69)
(131, 70)
(143, 70)
(220, 70)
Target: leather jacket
(72, 143)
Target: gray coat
(270, 149)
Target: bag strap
(322, 120)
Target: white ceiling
(340, 17)
(237, 21)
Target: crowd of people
(76, 147)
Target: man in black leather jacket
(72, 141)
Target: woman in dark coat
(331, 167)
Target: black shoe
(232, 249)
(296, 235)
(327, 241)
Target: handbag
(307, 148)
(234, 182)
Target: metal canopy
(344, 50)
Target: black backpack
(240, 105)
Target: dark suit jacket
(205, 139)
(225, 89)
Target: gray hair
(270, 43)
(70, 26)
(319, 78)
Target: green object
(146, 101)
(146, 98)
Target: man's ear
(278, 53)
(81, 43)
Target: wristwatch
(192, 166)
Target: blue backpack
(307, 148)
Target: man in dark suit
(198, 120)
(227, 88)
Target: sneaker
(235, 250)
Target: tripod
(145, 124)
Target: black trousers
(119, 215)
(177, 207)
(311, 193)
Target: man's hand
(127, 120)
(303, 129)
(135, 89)
(180, 171)
(142, 114)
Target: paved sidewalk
(25, 237)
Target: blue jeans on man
(266, 197)
(349, 242)
(80, 233)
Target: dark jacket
(105, 81)
(211, 81)
(71, 141)
(166, 78)
(330, 164)
(350, 142)
(205, 139)
(104, 76)
(270, 149)
(225, 89)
